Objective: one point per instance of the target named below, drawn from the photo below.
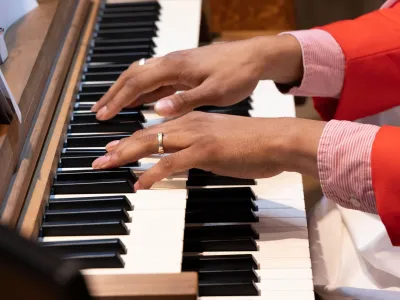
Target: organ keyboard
(245, 239)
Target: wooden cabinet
(250, 15)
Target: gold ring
(160, 137)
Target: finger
(181, 103)
(134, 67)
(168, 165)
(144, 82)
(133, 149)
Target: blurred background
(227, 20)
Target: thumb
(181, 103)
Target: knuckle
(133, 82)
(182, 100)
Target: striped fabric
(344, 153)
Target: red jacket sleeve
(385, 163)
(371, 46)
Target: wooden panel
(14, 136)
(30, 220)
(48, 90)
(250, 15)
(180, 286)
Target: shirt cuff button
(355, 202)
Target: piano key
(86, 246)
(219, 244)
(227, 276)
(101, 140)
(228, 289)
(101, 76)
(98, 214)
(84, 228)
(218, 262)
(123, 42)
(129, 16)
(131, 5)
(132, 24)
(119, 33)
(95, 87)
(216, 216)
(271, 294)
(125, 57)
(90, 202)
(123, 116)
(96, 260)
(104, 127)
(217, 231)
(89, 96)
(195, 180)
(102, 186)
(89, 175)
(84, 161)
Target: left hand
(225, 145)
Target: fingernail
(101, 112)
(101, 161)
(164, 107)
(136, 187)
(112, 145)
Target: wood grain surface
(15, 148)
(179, 286)
(250, 15)
(30, 221)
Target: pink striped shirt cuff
(344, 164)
(323, 63)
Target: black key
(220, 231)
(227, 111)
(120, 186)
(127, 5)
(86, 246)
(221, 198)
(89, 97)
(90, 202)
(123, 42)
(126, 57)
(115, 10)
(97, 260)
(228, 289)
(226, 215)
(84, 228)
(98, 214)
(101, 127)
(218, 262)
(227, 276)
(221, 194)
(126, 33)
(95, 88)
(101, 76)
(243, 105)
(207, 178)
(84, 161)
(123, 116)
(100, 140)
(83, 152)
(125, 25)
(219, 244)
(151, 16)
(95, 175)
(121, 49)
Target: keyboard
(246, 239)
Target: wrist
(280, 58)
(299, 145)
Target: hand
(223, 144)
(217, 75)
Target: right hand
(218, 75)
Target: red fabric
(371, 45)
(385, 162)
